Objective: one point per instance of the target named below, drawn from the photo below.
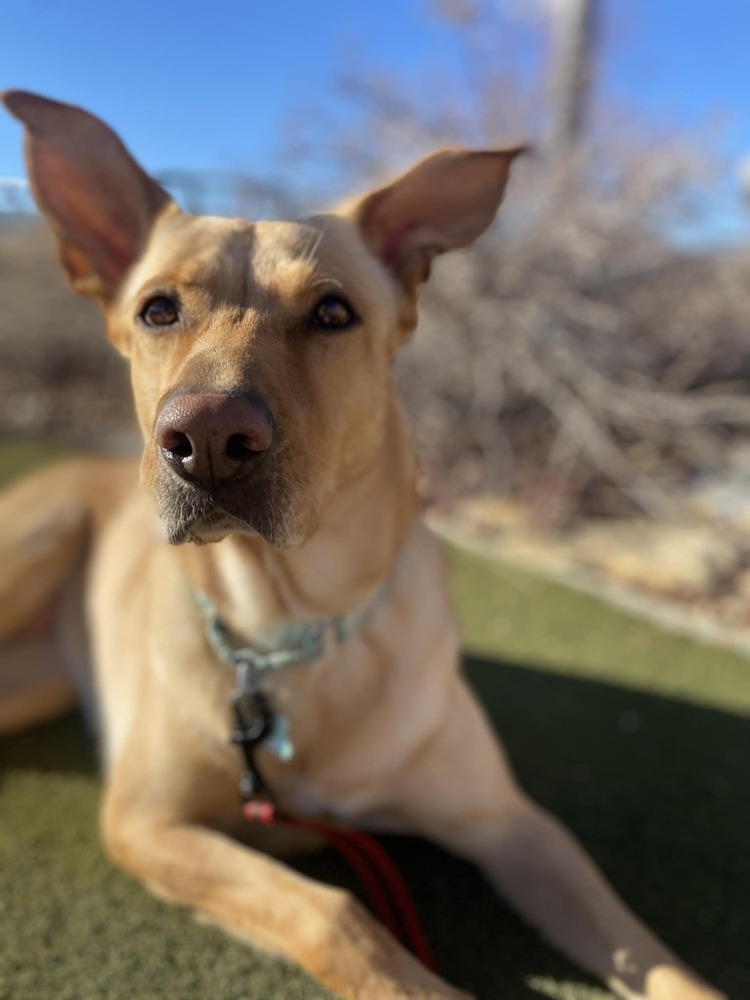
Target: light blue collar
(285, 644)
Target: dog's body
(261, 358)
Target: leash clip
(254, 720)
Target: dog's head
(260, 352)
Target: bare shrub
(58, 376)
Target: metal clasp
(254, 720)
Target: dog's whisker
(315, 244)
(325, 280)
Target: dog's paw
(671, 983)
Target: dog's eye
(332, 313)
(159, 311)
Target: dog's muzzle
(212, 439)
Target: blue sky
(211, 85)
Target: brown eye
(332, 313)
(159, 311)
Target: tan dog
(261, 359)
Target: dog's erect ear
(99, 202)
(443, 203)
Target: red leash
(388, 894)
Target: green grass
(636, 738)
(17, 457)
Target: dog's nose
(210, 438)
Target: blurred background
(589, 359)
(579, 392)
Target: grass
(17, 457)
(638, 739)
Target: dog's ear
(98, 201)
(443, 203)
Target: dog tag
(279, 741)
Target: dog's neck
(361, 530)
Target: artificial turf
(638, 739)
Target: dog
(277, 510)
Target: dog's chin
(201, 516)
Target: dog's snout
(211, 438)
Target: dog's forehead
(282, 258)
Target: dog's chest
(354, 718)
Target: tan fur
(387, 734)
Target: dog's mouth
(270, 507)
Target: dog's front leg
(249, 894)
(462, 794)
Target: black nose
(211, 438)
